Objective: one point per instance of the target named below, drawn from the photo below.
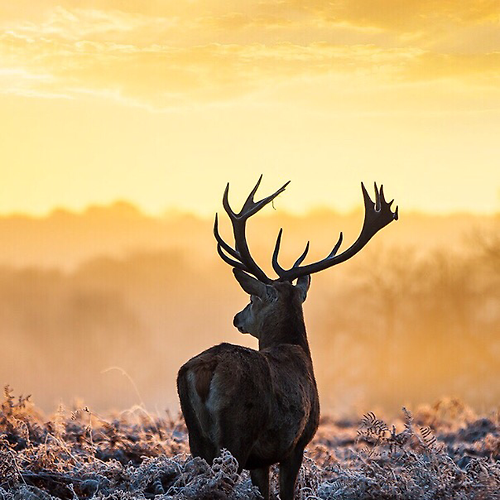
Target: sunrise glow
(161, 102)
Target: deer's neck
(288, 329)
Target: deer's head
(274, 302)
(268, 302)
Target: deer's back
(270, 396)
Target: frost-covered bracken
(444, 451)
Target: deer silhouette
(263, 405)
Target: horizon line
(173, 211)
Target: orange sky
(163, 102)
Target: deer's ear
(303, 284)
(251, 285)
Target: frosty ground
(441, 451)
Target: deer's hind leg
(260, 478)
(199, 445)
(238, 435)
(196, 417)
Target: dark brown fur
(261, 405)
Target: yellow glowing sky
(163, 102)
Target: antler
(377, 216)
(240, 254)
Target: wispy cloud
(214, 51)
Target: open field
(444, 451)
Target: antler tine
(377, 216)
(221, 242)
(222, 245)
(386, 203)
(335, 249)
(250, 207)
(262, 203)
(225, 203)
(230, 261)
(382, 197)
(276, 266)
(302, 257)
(366, 197)
(241, 252)
(249, 201)
(246, 206)
(377, 197)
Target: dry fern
(441, 453)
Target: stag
(263, 405)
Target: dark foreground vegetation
(441, 452)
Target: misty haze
(106, 305)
